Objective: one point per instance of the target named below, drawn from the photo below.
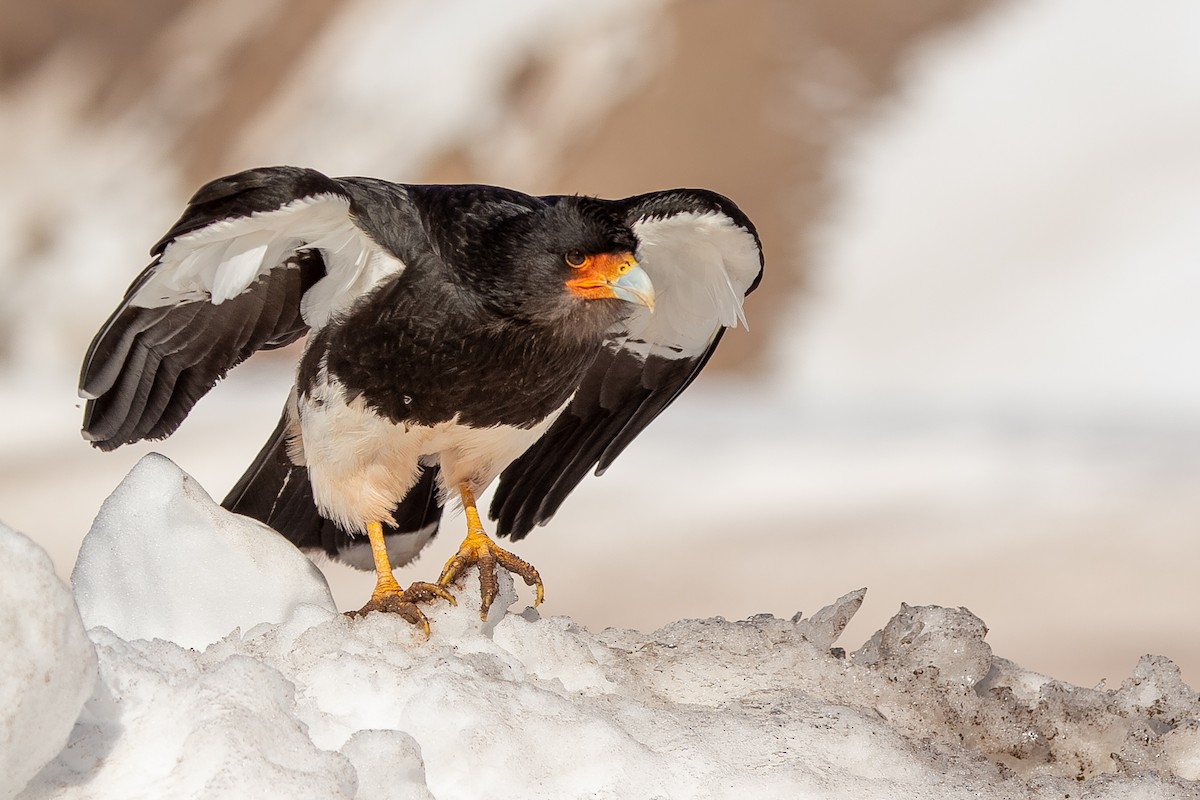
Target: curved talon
(422, 591)
(393, 604)
(479, 550)
(390, 599)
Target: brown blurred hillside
(746, 98)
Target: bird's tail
(276, 491)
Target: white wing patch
(701, 264)
(220, 261)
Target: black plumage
(459, 331)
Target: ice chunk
(922, 673)
(948, 639)
(162, 560)
(1181, 746)
(47, 664)
(824, 627)
(1157, 690)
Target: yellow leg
(385, 582)
(479, 549)
(388, 596)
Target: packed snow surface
(161, 546)
(47, 664)
(320, 705)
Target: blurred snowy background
(971, 376)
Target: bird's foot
(389, 597)
(479, 550)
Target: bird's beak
(613, 275)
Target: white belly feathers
(361, 464)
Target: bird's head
(571, 259)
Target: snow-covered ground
(311, 703)
(990, 401)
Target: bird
(454, 334)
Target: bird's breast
(360, 464)
(430, 366)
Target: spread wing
(256, 260)
(703, 256)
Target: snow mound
(320, 705)
(326, 706)
(47, 664)
(163, 560)
(941, 682)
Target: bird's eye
(575, 259)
